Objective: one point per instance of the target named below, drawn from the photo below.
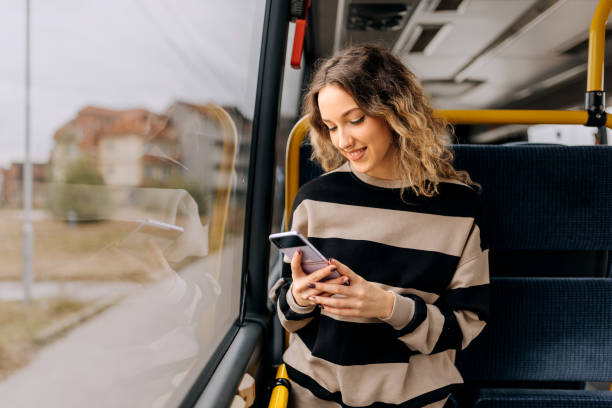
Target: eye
(331, 129)
(358, 121)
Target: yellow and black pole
(595, 97)
(597, 42)
(281, 389)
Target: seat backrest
(544, 329)
(547, 207)
(543, 197)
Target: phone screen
(288, 242)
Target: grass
(96, 251)
(19, 325)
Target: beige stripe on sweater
(402, 229)
(391, 383)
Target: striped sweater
(429, 252)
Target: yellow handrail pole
(292, 165)
(597, 42)
(280, 392)
(513, 116)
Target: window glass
(141, 120)
(563, 134)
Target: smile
(357, 154)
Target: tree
(83, 196)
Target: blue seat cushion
(530, 398)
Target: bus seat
(543, 332)
(543, 399)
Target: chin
(361, 167)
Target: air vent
(448, 5)
(426, 35)
(377, 17)
(583, 46)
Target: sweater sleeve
(458, 315)
(291, 315)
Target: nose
(345, 141)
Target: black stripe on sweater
(344, 188)
(348, 343)
(420, 314)
(428, 271)
(320, 392)
(472, 299)
(451, 335)
(286, 309)
(475, 299)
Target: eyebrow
(344, 114)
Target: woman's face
(364, 140)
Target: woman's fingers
(308, 293)
(321, 273)
(306, 285)
(345, 270)
(313, 290)
(334, 289)
(341, 312)
(340, 280)
(333, 302)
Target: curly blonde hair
(383, 87)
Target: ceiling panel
(566, 24)
(434, 67)
(477, 98)
(518, 70)
(473, 30)
(469, 33)
(531, 56)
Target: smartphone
(312, 260)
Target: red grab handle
(298, 39)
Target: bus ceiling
(477, 54)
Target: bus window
(140, 127)
(563, 134)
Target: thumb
(296, 265)
(345, 270)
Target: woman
(404, 231)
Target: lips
(356, 154)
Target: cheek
(334, 142)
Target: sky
(122, 54)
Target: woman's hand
(362, 298)
(303, 285)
